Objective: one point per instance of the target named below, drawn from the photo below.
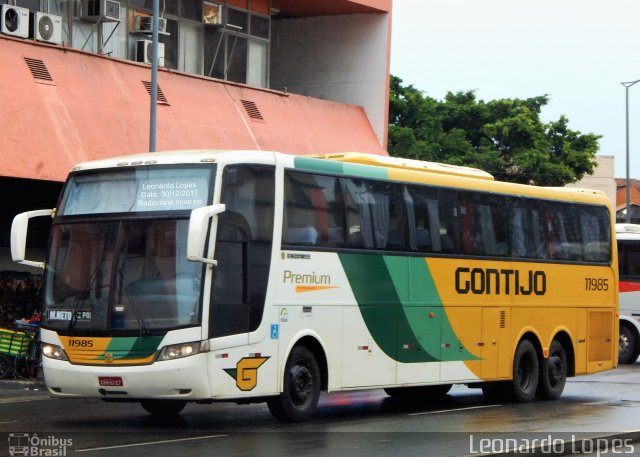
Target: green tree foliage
(503, 137)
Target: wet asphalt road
(346, 424)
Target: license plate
(110, 381)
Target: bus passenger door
(243, 254)
(229, 310)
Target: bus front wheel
(553, 375)
(526, 372)
(628, 348)
(301, 388)
(163, 408)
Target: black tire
(6, 366)
(301, 388)
(553, 373)
(420, 393)
(628, 348)
(163, 408)
(526, 372)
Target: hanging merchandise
(19, 297)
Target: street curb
(11, 386)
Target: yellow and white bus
(245, 276)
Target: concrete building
(621, 201)
(602, 178)
(616, 188)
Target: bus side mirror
(197, 238)
(19, 229)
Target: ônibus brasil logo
(28, 444)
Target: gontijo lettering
(488, 281)
(309, 278)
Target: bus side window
(596, 233)
(448, 215)
(358, 213)
(629, 259)
(314, 215)
(373, 214)
(633, 260)
(483, 222)
(423, 219)
(526, 229)
(563, 231)
(622, 259)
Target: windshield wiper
(84, 295)
(134, 307)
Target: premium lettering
(312, 279)
(488, 281)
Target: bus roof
(397, 169)
(627, 231)
(409, 170)
(406, 164)
(174, 157)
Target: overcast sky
(576, 51)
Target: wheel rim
(624, 344)
(300, 384)
(556, 369)
(525, 371)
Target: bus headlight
(177, 351)
(53, 351)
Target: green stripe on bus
(396, 295)
(424, 300)
(339, 168)
(133, 347)
(371, 285)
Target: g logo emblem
(246, 372)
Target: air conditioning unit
(144, 24)
(15, 21)
(100, 11)
(211, 14)
(46, 27)
(144, 50)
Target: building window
(170, 41)
(237, 49)
(33, 5)
(224, 39)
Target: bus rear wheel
(163, 408)
(628, 347)
(526, 373)
(301, 388)
(553, 375)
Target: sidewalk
(15, 389)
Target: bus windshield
(113, 271)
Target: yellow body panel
(517, 298)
